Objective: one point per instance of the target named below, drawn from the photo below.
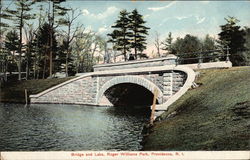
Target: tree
(11, 46)
(29, 48)
(246, 53)
(87, 49)
(167, 44)
(55, 11)
(120, 36)
(139, 32)
(62, 57)
(103, 48)
(232, 36)
(209, 44)
(69, 35)
(3, 25)
(3, 28)
(43, 43)
(79, 49)
(187, 47)
(41, 16)
(157, 43)
(20, 16)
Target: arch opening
(129, 94)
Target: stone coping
(134, 62)
(221, 64)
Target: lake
(56, 127)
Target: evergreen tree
(209, 43)
(232, 36)
(41, 17)
(120, 35)
(187, 47)
(3, 27)
(246, 53)
(55, 19)
(19, 16)
(139, 32)
(43, 42)
(11, 45)
(167, 44)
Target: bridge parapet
(170, 60)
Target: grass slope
(214, 116)
(14, 91)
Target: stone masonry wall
(85, 90)
(168, 82)
(82, 91)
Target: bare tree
(70, 34)
(157, 43)
(30, 36)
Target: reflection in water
(70, 127)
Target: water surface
(69, 127)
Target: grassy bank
(214, 116)
(14, 91)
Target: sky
(179, 17)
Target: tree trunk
(66, 64)
(27, 70)
(50, 55)
(51, 42)
(124, 50)
(34, 74)
(135, 46)
(44, 68)
(27, 64)
(20, 45)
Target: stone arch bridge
(130, 82)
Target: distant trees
(19, 16)
(209, 43)
(232, 35)
(184, 46)
(157, 44)
(188, 47)
(129, 33)
(88, 48)
(168, 44)
(246, 53)
(69, 35)
(54, 42)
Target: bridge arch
(129, 79)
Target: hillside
(214, 116)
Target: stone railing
(136, 64)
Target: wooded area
(42, 39)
